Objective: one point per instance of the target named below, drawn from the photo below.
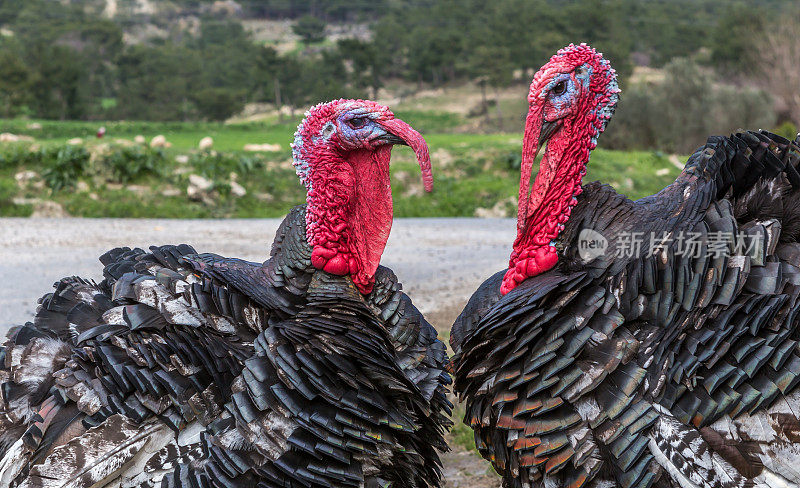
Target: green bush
(8, 190)
(787, 130)
(15, 155)
(64, 165)
(130, 163)
(680, 112)
(217, 165)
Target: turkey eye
(357, 122)
(560, 87)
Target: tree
(58, 85)
(15, 81)
(311, 29)
(218, 104)
(731, 43)
(367, 64)
(778, 64)
(158, 83)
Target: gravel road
(439, 261)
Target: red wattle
(337, 265)
(532, 262)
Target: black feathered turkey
(592, 362)
(310, 369)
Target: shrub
(64, 166)
(130, 163)
(216, 165)
(678, 113)
(8, 190)
(14, 155)
(787, 130)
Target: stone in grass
(237, 190)
(206, 143)
(42, 208)
(262, 147)
(8, 137)
(29, 178)
(200, 189)
(160, 141)
(170, 191)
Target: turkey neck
(349, 213)
(544, 212)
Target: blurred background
(185, 108)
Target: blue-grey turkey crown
(656, 366)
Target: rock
(237, 190)
(114, 186)
(442, 157)
(262, 147)
(205, 143)
(228, 8)
(94, 196)
(264, 197)
(628, 183)
(160, 141)
(182, 170)
(139, 139)
(34, 126)
(170, 191)
(75, 141)
(662, 172)
(9, 137)
(200, 183)
(673, 158)
(82, 187)
(24, 178)
(123, 142)
(138, 189)
(181, 159)
(200, 189)
(501, 209)
(42, 208)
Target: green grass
(471, 171)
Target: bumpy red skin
(581, 119)
(349, 211)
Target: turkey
(119, 383)
(638, 344)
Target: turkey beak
(547, 130)
(398, 132)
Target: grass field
(475, 174)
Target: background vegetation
(243, 71)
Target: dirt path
(439, 261)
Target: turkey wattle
(123, 383)
(594, 361)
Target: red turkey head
(571, 100)
(341, 152)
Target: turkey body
(121, 383)
(654, 367)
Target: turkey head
(341, 152)
(571, 99)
